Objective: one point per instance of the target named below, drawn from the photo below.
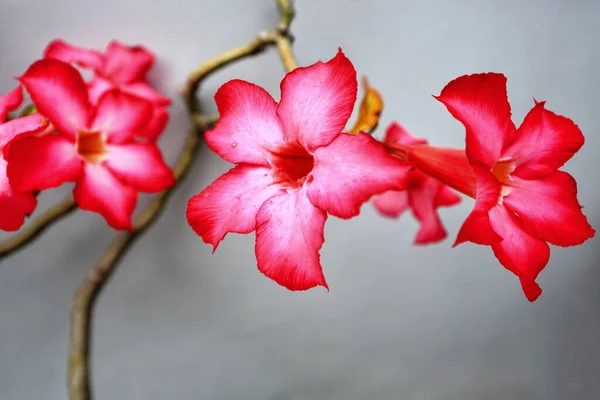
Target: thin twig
(37, 227)
(79, 381)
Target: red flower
(119, 67)
(14, 206)
(423, 194)
(93, 146)
(522, 201)
(294, 167)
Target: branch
(79, 382)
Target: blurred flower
(14, 206)
(92, 145)
(294, 167)
(119, 67)
(423, 194)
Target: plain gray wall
(400, 322)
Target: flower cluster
(99, 134)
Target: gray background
(400, 322)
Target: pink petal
(520, 253)
(230, 203)
(125, 64)
(99, 191)
(349, 171)
(38, 163)
(248, 128)
(51, 83)
(480, 102)
(446, 197)
(391, 203)
(139, 165)
(10, 102)
(316, 101)
(422, 203)
(289, 235)
(15, 206)
(549, 210)
(29, 124)
(146, 91)
(63, 51)
(120, 116)
(97, 86)
(157, 124)
(544, 142)
(477, 228)
(397, 134)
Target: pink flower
(93, 146)
(119, 67)
(523, 202)
(423, 194)
(294, 166)
(14, 206)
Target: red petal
(119, 116)
(10, 102)
(477, 228)
(63, 51)
(248, 127)
(29, 124)
(230, 203)
(480, 102)
(397, 134)
(446, 197)
(125, 64)
(289, 235)
(391, 203)
(157, 124)
(99, 191)
(520, 253)
(15, 206)
(146, 92)
(544, 142)
(38, 163)
(549, 210)
(139, 165)
(422, 202)
(51, 82)
(316, 101)
(97, 86)
(351, 170)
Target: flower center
(292, 164)
(91, 146)
(501, 171)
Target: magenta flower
(294, 166)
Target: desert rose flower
(423, 194)
(294, 167)
(119, 67)
(91, 145)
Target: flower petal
(38, 163)
(147, 92)
(230, 203)
(446, 197)
(351, 170)
(391, 203)
(99, 191)
(10, 102)
(29, 124)
(157, 124)
(139, 165)
(51, 83)
(248, 127)
(422, 202)
(289, 235)
(120, 116)
(549, 210)
(125, 64)
(316, 101)
(97, 86)
(15, 206)
(480, 102)
(520, 253)
(397, 134)
(544, 142)
(477, 228)
(66, 52)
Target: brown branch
(79, 381)
(37, 227)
